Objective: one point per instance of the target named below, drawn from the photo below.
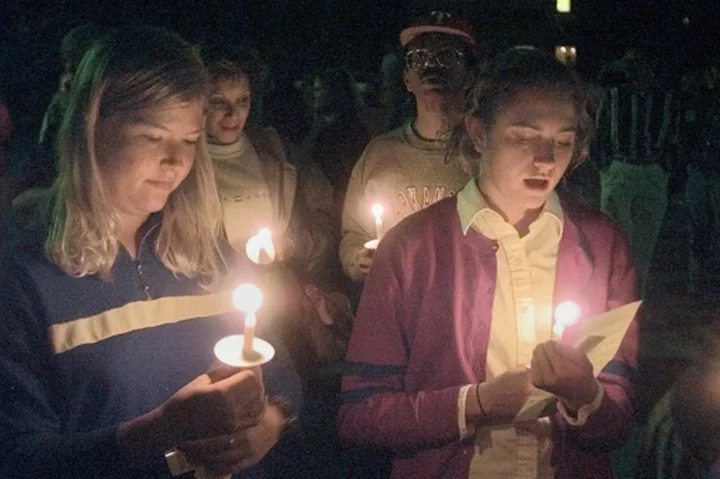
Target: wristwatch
(179, 466)
(177, 463)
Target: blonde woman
(109, 304)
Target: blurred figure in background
(33, 160)
(695, 406)
(681, 439)
(635, 130)
(338, 136)
(700, 146)
(284, 107)
(6, 131)
(395, 101)
(73, 47)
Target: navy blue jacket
(78, 356)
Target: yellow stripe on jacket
(135, 316)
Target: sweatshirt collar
(421, 144)
(233, 150)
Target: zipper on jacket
(141, 277)
(139, 266)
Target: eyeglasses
(419, 58)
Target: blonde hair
(520, 69)
(128, 70)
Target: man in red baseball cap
(405, 170)
(437, 22)
(439, 53)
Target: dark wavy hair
(514, 71)
(230, 62)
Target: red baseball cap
(437, 22)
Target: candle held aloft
(377, 211)
(248, 299)
(566, 314)
(260, 248)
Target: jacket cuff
(582, 415)
(466, 430)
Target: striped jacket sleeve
(377, 409)
(31, 436)
(609, 426)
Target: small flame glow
(378, 210)
(567, 313)
(265, 235)
(247, 298)
(257, 244)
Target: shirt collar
(470, 203)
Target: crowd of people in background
(502, 180)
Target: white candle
(247, 298)
(566, 314)
(377, 211)
(249, 333)
(260, 247)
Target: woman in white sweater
(262, 180)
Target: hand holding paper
(564, 371)
(599, 338)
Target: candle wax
(249, 335)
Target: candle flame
(264, 234)
(567, 313)
(247, 298)
(378, 210)
(261, 242)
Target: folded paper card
(599, 337)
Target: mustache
(434, 74)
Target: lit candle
(566, 314)
(248, 298)
(260, 247)
(377, 211)
(240, 351)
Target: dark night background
(301, 35)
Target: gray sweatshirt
(404, 174)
